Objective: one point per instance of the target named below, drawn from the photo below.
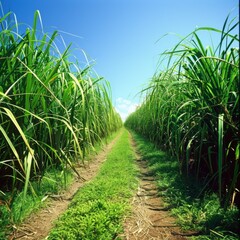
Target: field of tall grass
(52, 110)
(191, 110)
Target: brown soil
(39, 224)
(149, 219)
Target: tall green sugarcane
(51, 110)
(192, 110)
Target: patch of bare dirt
(38, 225)
(149, 219)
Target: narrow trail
(149, 220)
(39, 224)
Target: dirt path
(39, 225)
(149, 219)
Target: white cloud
(125, 107)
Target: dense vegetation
(52, 110)
(191, 110)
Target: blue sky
(121, 36)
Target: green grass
(97, 210)
(181, 195)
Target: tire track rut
(150, 219)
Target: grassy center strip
(98, 208)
